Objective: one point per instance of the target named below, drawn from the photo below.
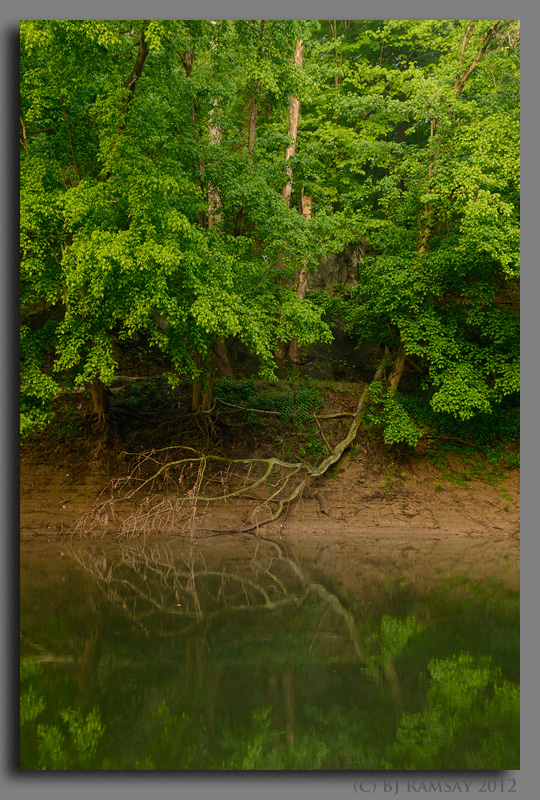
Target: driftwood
(323, 503)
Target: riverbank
(408, 521)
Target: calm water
(170, 657)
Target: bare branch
(277, 482)
(461, 81)
(136, 72)
(466, 38)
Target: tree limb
(461, 81)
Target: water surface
(174, 656)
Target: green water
(149, 657)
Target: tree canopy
(154, 156)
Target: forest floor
(406, 518)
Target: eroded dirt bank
(387, 525)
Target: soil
(374, 519)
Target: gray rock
(337, 269)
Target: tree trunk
(222, 360)
(203, 386)
(301, 286)
(281, 352)
(292, 131)
(88, 667)
(196, 394)
(461, 80)
(397, 368)
(252, 121)
(273, 691)
(201, 399)
(100, 398)
(395, 688)
(142, 52)
(214, 199)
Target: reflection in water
(148, 657)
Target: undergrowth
(294, 405)
(482, 448)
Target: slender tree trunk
(397, 368)
(395, 688)
(461, 80)
(24, 139)
(203, 386)
(252, 120)
(214, 199)
(131, 84)
(301, 285)
(273, 691)
(292, 131)
(88, 667)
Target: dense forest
(182, 181)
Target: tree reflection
(196, 662)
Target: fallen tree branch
(173, 509)
(319, 471)
(243, 408)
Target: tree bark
(24, 139)
(301, 285)
(203, 386)
(222, 360)
(136, 72)
(202, 393)
(88, 667)
(100, 398)
(292, 131)
(201, 398)
(461, 80)
(397, 368)
(131, 82)
(252, 121)
(214, 199)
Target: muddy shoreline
(416, 528)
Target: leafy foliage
(468, 701)
(152, 165)
(69, 744)
(387, 413)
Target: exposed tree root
(150, 490)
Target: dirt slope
(387, 523)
